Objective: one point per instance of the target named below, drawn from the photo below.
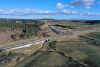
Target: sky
(52, 9)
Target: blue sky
(58, 9)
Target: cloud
(60, 5)
(90, 14)
(83, 3)
(25, 12)
(21, 12)
(88, 4)
(69, 12)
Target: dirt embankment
(5, 37)
(46, 31)
(8, 36)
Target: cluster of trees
(29, 30)
(52, 45)
(7, 57)
(92, 22)
(70, 27)
(4, 56)
(26, 29)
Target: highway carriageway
(27, 44)
(23, 45)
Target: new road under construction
(57, 31)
